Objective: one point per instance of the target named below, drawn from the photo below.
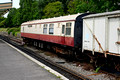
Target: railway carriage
(55, 30)
(59, 30)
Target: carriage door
(63, 34)
(63, 30)
(114, 34)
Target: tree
(16, 19)
(38, 9)
(86, 5)
(2, 21)
(72, 6)
(10, 17)
(35, 11)
(53, 9)
(26, 10)
(110, 5)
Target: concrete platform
(15, 66)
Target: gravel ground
(78, 68)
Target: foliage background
(40, 9)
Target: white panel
(21, 29)
(57, 29)
(72, 29)
(39, 29)
(42, 28)
(99, 33)
(87, 35)
(34, 28)
(113, 35)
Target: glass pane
(51, 30)
(45, 25)
(63, 29)
(44, 30)
(68, 31)
(29, 25)
(51, 25)
(23, 28)
(68, 24)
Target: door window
(68, 28)
(63, 29)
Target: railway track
(70, 74)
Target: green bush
(10, 30)
(16, 33)
(3, 29)
(13, 30)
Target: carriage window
(29, 25)
(23, 29)
(45, 29)
(63, 29)
(51, 29)
(68, 28)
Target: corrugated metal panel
(101, 33)
(103, 14)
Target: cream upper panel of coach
(37, 25)
(61, 18)
(57, 29)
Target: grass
(97, 69)
(58, 76)
(14, 30)
(52, 73)
(3, 29)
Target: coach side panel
(50, 32)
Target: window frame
(45, 27)
(29, 25)
(22, 28)
(63, 29)
(51, 26)
(68, 26)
